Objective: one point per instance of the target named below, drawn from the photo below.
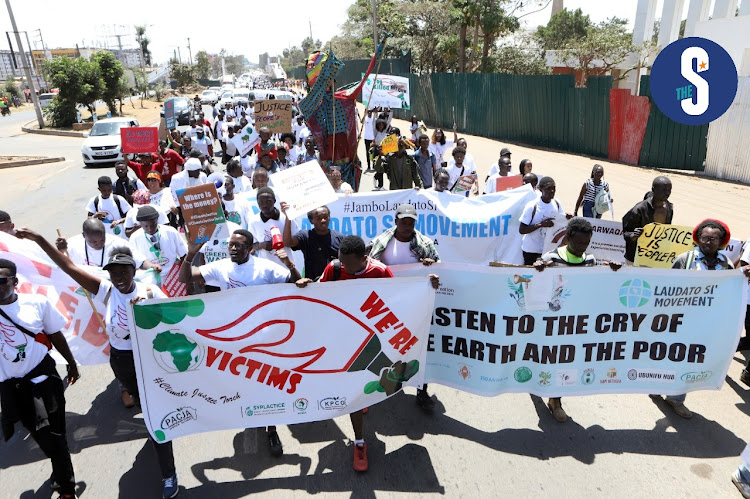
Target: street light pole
(26, 70)
(190, 52)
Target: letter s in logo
(701, 85)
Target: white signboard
(390, 91)
(304, 187)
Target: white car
(102, 144)
(209, 97)
(226, 97)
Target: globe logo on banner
(635, 293)
(693, 81)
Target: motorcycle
(6, 110)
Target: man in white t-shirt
(33, 392)
(502, 167)
(260, 227)
(93, 246)
(109, 208)
(242, 269)
(241, 182)
(538, 216)
(160, 244)
(463, 176)
(495, 167)
(369, 136)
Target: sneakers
(171, 488)
(275, 442)
(745, 377)
(742, 485)
(679, 408)
(424, 400)
(379, 189)
(555, 406)
(360, 457)
(127, 399)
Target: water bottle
(276, 240)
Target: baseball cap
(193, 164)
(195, 153)
(120, 259)
(147, 212)
(504, 151)
(406, 211)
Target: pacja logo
(693, 81)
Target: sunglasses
(4, 280)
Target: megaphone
(217, 178)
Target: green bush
(60, 113)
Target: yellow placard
(389, 144)
(660, 244)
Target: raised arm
(188, 273)
(87, 281)
(289, 240)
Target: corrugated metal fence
(669, 144)
(547, 111)
(729, 139)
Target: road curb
(27, 162)
(60, 133)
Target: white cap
(193, 164)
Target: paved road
(613, 446)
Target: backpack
(117, 203)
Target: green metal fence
(546, 111)
(668, 144)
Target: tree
(182, 73)
(143, 41)
(11, 88)
(563, 28)
(79, 82)
(202, 65)
(263, 60)
(123, 91)
(522, 55)
(141, 83)
(111, 71)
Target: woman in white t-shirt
(439, 144)
(159, 195)
(463, 176)
(117, 293)
(536, 218)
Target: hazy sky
(211, 26)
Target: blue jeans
(677, 398)
(588, 210)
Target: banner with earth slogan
(568, 331)
(277, 354)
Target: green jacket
(404, 177)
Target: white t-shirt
(533, 242)
(242, 184)
(261, 232)
(110, 207)
(217, 248)
(171, 246)
(746, 258)
(81, 253)
(226, 274)
(439, 149)
(162, 199)
(490, 185)
(369, 133)
(462, 187)
(398, 253)
(131, 220)
(116, 314)
(19, 352)
(234, 211)
(344, 188)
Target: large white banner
(582, 331)
(277, 354)
(469, 230)
(389, 91)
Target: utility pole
(12, 55)
(26, 70)
(375, 23)
(179, 55)
(33, 60)
(310, 23)
(190, 52)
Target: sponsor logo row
(590, 376)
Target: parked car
(45, 99)
(102, 143)
(241, 96)
(209, 97)
(183, 109)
